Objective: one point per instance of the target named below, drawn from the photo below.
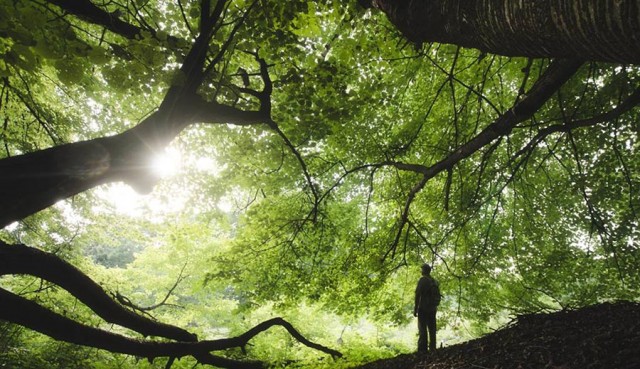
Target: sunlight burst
(168, 163)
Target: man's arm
(417, 299)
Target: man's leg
(431, 324)
(422, 332)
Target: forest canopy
(304, 159)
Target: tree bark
(598, 30)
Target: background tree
(345, 156)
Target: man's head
(366, 3)
(426, 269)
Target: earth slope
(605, 336)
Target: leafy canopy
(316, 211)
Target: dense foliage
(321, 213)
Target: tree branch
(127, 302)
(91, 13)
(553, 78)
(34, 181)
(630, 102)
(21, 259)
(264, 97)
(29, 314)
(227, 44)
(243, 339)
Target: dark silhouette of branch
(243, 339)
(227, 44)
(21, 259)
(452, 77)
(205, 13)
(549, 83)
(630, 102)
(29, 314)
(169, 363)
(625, 171)
(89, 12)
(431, 247)
(29, 103)
(525, 152)
(264, 97)
(34, 181)
(127, 302)
(527, 71)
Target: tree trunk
(599, 30)
(35, 181)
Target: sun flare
(167, 163)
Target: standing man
(427, 301)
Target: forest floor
(605, 336)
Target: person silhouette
(425, 309)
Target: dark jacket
(427, 294)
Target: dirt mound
(605, 336)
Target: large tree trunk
(35, 181)
(601, 30)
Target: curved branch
(559, 72)
(303, 165)
(630, 102)
(89, 12)
(29, 314)
(264, 97)
(144, 309)
(245, 337)
(21, 259)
